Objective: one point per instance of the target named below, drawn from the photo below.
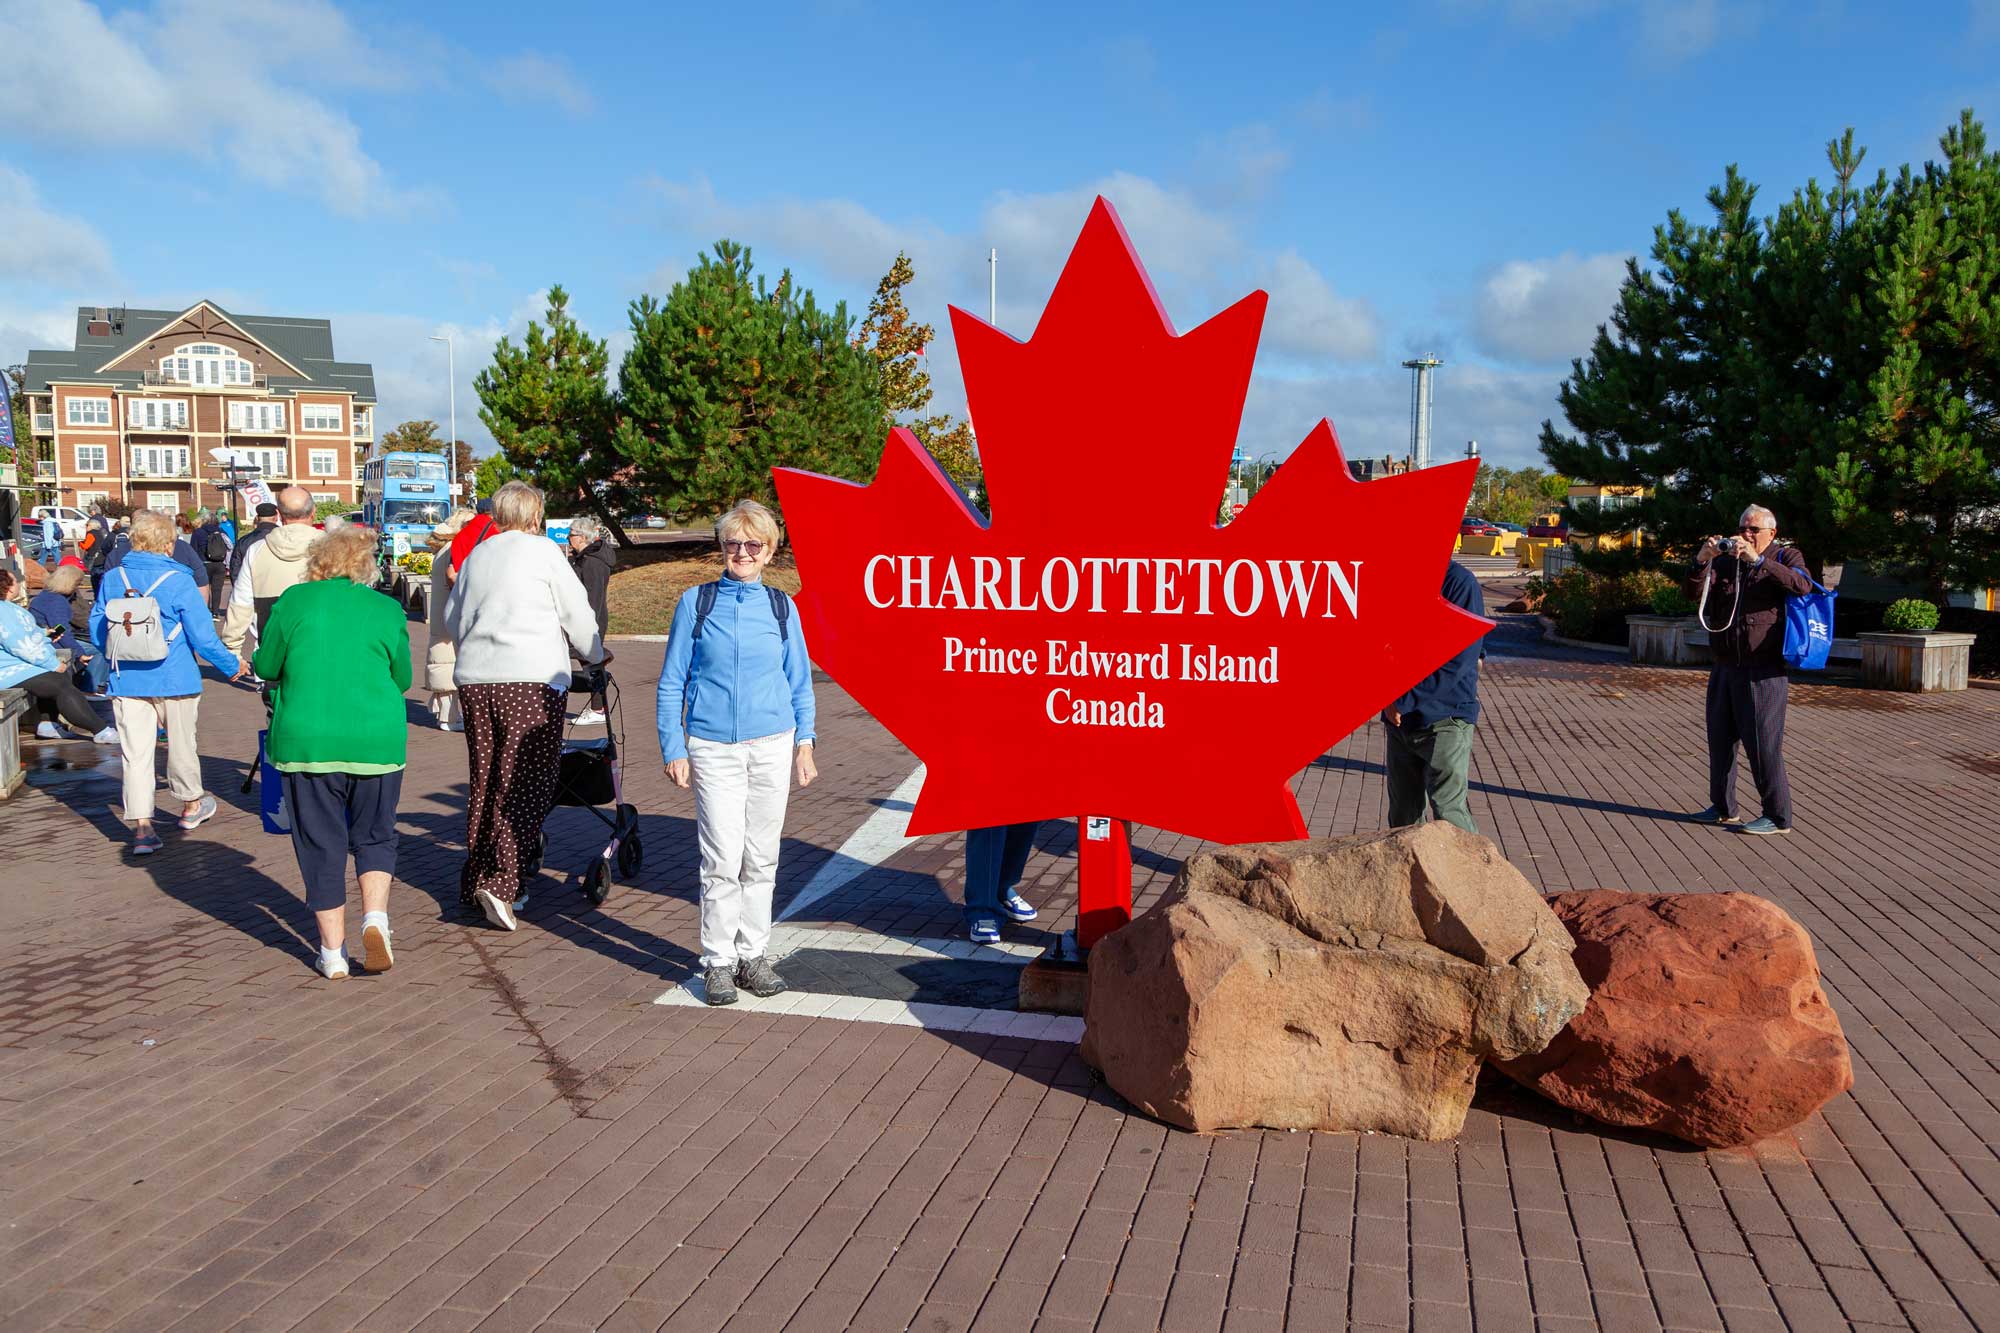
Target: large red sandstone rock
(1345, 984)
(1706, 1018)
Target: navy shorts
(335, 815)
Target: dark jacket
(204, 537)
(1755, 636)
(593, 565)
(121, 546)
(52, 610)
(250, 539)
(1453, 689)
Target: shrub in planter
(1910, 615)
(1671, 601)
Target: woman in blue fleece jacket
(736, 723)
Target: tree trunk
(603, 511)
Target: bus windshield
(400, 467)
(413, 513)
(431, 471)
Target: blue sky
(1465, 178)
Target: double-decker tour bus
(404, 493)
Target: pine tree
(728, 378)
(552, 416)
(1668, 395)
(898, 344)
(1932, 429)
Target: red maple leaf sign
(1101, 646)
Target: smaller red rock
(1706, 1018)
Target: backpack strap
(152, 587)
(781, 611)
(704, 602)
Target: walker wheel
(597, 882)
(631, 857)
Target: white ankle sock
(336, 954)
(375, 919)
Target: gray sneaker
(757, 976)
(718, 986)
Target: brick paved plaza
(508, 1132)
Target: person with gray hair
(1742, 582)
(516, 613)
(593, 556)
(275, 564)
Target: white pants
(740, 791)
(139, 722)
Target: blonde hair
(65, 579)
(347, 554)
(517, 507)
(752, 519)
(152, 531)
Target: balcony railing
(160, 474)
(45, 423)
(165, 428)
(278, 429)
(155, 378)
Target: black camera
(1727, 545)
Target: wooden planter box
(1665, 641)
(1919, 663)
(13, 708)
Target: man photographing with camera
(1741, 583)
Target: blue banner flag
(7, 421)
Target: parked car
(1477, 527)
(1558, 531)
(1510, 527)
(72, 521)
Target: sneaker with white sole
(757, 976)
(984, 930)
(49, 731)
(590, 717)
(1016, 908)
(204, 811)
(332, 966)
(375, 952)
(108, 736)
(718, 985)
(497, 912)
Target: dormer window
(209, 365)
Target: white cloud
(42, 246)
(1370, 411)
(1673, 30)
(1198, 257)
(225, 85)
(533, 77)
(1547, 310)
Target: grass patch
(649, 581)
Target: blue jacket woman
(735, 712)
(28, 661)
(146, 696)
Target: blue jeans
(98, 669)
(994, 860)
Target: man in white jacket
(270, 567)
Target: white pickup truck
(72, 521)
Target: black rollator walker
(591, 775)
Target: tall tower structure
(1420, 409)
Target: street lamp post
(451, 445)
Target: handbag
(1809, 629)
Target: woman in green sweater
(336, 654)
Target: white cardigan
(514, 612)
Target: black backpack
(704, 602)
(216, 548)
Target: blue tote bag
(1809, 629)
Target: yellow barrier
(1532, 552)
(1499, 545)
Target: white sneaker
(108, 736)
(332, 966)
(590, 717)
(48, 731)
(499, 913)
(375, 951)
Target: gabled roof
(305, 345)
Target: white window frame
(321, 497)
(207, 365)
(85, 499)
(364, 423)
(173, 500)
(315, 456)
(167, 460)
(265, 457)
(99, 413)
(317, 416)
(255, 418)
(172, 414)
(103, 452)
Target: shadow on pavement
(1335, 761)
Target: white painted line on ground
(931, 1017)
(790, 939)
(881, 836)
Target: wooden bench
(13, 707)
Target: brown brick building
(135, 410)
